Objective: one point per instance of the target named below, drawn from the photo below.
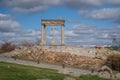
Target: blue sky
(87, 22)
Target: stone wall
(82, 51)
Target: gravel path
(73, 71)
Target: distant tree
(116, 42)
(7, 47)
(38, 42)
(27, 43)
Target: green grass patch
(90, 77)
(9, 71)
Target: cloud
(113, 2)
(110, 14)
(86, 34)
(10, 31)
(30, 33)
(90, 3)
(4, 17)
(30, 6)
(81, 4)
(70, 33)
(26, 6)
(86, 4)
(18, 37)
(25, 10)
(9, 34)
(84, 28)
(105, 13)
(117, 20)
(7, 24)
(81, 34)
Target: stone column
(43, 39)
(62, 35)
(44, 35)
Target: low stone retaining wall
(88, 52)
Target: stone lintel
(53, 22)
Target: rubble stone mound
(39, 54)
(105, 72)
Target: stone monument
(46, 23)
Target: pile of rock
(39, 54)
(103, 53)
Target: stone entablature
(52, 22)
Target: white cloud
(25, 10)
(70, 33)
(18, 37)
(4, 17)
(9, 34)
(29, 6)
(114, 2)
(52, 2)
(111, 14)
(91, 35)
(7, 24)
(105, 13)
(30, 33)
(81, 4)
(10, 30)
(82, 34)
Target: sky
(87, 22)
